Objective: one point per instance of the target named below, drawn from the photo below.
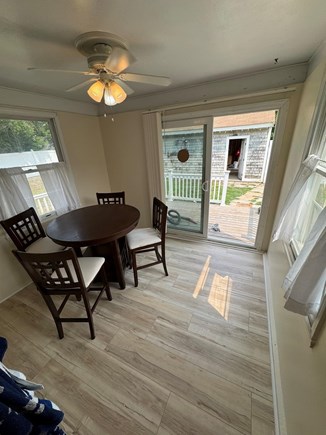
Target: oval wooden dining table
(101, 228)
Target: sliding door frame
(276, 168)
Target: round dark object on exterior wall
(183, 155)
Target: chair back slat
(53, 271)
(160, 211)
(24, 228)
(110, 198)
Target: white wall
(12, 277)
(123, 141)
(84, 149)
(301, 371)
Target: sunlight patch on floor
(202, 278)
(220, 294)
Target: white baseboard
(279, 414)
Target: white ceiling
(190, 41)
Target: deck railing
(189, 187)
(43, 204)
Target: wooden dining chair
(149, 239)
(111, 198)
(65, 274)
(27, 233)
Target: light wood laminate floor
(183, 354)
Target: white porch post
(225, 186)
(170, 190)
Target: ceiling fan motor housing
(97, 61)
(97, 47)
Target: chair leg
(130, 264)
(106, 284)
(158, 256)
(89, 316)
(108, 292)
(50, 304)
(161, 258)
(134, 266)
(164, 262)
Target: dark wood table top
(93, 225)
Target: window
(26, 143)
(312, 206)
(32, 170)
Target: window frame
(316, 141)
(52, 125)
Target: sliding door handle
(204, 186)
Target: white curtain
(305, 281)
(154, 154)
(295, 200)
(58, 186)
(15, 193)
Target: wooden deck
(232, 223)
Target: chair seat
(90, 266)
(43, 245)
(142, 237)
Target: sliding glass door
(186, 151)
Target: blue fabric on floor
(20, 413)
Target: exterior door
(186, 157)
(242, 160)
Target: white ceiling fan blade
(124, 86)
(81, 85)
(118, 60)
(142, 78)
(85, 73)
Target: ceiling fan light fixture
(108, 98)
(114, 94)
(96, 91)
(117, 92)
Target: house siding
(257, 144)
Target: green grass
(235, 193)
(36, 185)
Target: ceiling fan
(107, 57)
